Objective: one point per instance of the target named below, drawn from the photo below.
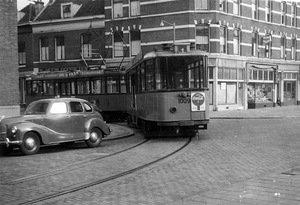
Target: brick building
(9, 92)
(252, 45)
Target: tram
(168, 92)
(106, 87)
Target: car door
(78, 118)
(59, 122)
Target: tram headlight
(173, 109)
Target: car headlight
(14, 130)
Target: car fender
(97, 123)
(25, 127)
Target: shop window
(227, 93)
(118, 44)
(135, 9)
(44, 49)
(233, 73)
(60, 48)
(226, 74)
(118, 8)
(254, 74)
(202, 37)
(266, 75)
(22, 53)
(201, 4)
(86, 46)
(241, 74)
(271, 75)
(210, 73)
(260, 92)
(260, 75)
(223, 39)
(135, 37)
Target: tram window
(143, 78)
(37, 87)
(149, 75)
(123, 84)
(48, 88)
(97, 85)
(138, 81)
(83, 86)
(161, 73)
(112, 84)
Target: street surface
(245, 157)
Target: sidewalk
(118, 131)
(269, 112)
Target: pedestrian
(95, 106)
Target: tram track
(73, 166)
(132, 169)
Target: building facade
(252, 45)
(9, 92)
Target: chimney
(38, 6)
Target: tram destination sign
(66, 74)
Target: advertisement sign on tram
(197, 101)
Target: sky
(23, 3)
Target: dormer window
(66, 11)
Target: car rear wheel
(31, 143)
(95, 138)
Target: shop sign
(67, 74)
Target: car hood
(20, 119)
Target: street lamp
(172, 24)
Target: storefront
(262, 85)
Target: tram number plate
(186, 123)
(183, 100)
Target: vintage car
(53, 121)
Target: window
(255, 9)
(236, 7)
(283, 12)
(60, 48)
(255, 43)
(87, 107)
(223, 39)
(149, 68)
(58, 108)
(202, 37)
(135, 36)
(76, 107)
(267, 42)
(223, 5)
(83, 86)
(112, 84)
(118, 8)
(283, 47)
(98, 85)
(268, 10)
(236, 42)
(201, 4)
(86, 46)
(66, 11)
(22, 54)
(135, 9)
(227, 93)
(294, 14)
(293, 49)
(118, 44)
(44, 49)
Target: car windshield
(36, 108)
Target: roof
(29, 12)
(52, 11)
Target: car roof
(61, 100)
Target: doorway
(289, 93)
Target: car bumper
(9, 142)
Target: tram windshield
(180, 72)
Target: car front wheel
(30, 144)
(95, 138)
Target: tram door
(289, 93)
(133, 98)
